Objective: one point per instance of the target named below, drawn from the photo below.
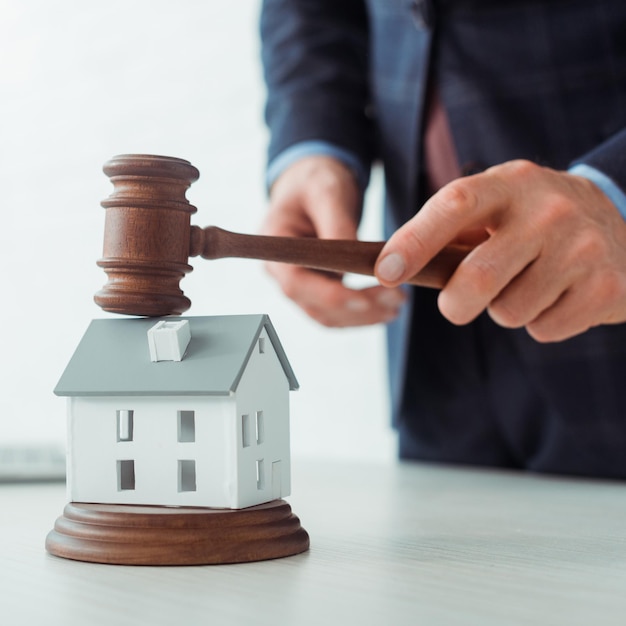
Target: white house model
(191, 412)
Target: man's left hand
(553, 259)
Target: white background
(83, 81)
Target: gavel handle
(335, 255)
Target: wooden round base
(152, 535)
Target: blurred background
(83, 81)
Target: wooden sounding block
(144, 535)
(149, 238)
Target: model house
(179, 412)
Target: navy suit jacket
(543, 80)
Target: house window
(126, 475)
(186, 475)
(261, 345)
(125, 423)
(260, 474)
(186, 426)
(245, 430)
(260, 427)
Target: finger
(570, 315)
(485, 272)
(463, 205)
(586, 303)
(580, 269)
(327, 209)
(328, 301)
(533, 291)
(287, 220)
(334, 205)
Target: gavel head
(147, 235)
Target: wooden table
(390, 545)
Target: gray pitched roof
(113, 358)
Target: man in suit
(505, 125)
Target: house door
(276, 480)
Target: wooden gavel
(148, 239)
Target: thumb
(335, 204)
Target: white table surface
(400, 544)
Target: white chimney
(169, 340)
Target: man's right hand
(318, 197)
